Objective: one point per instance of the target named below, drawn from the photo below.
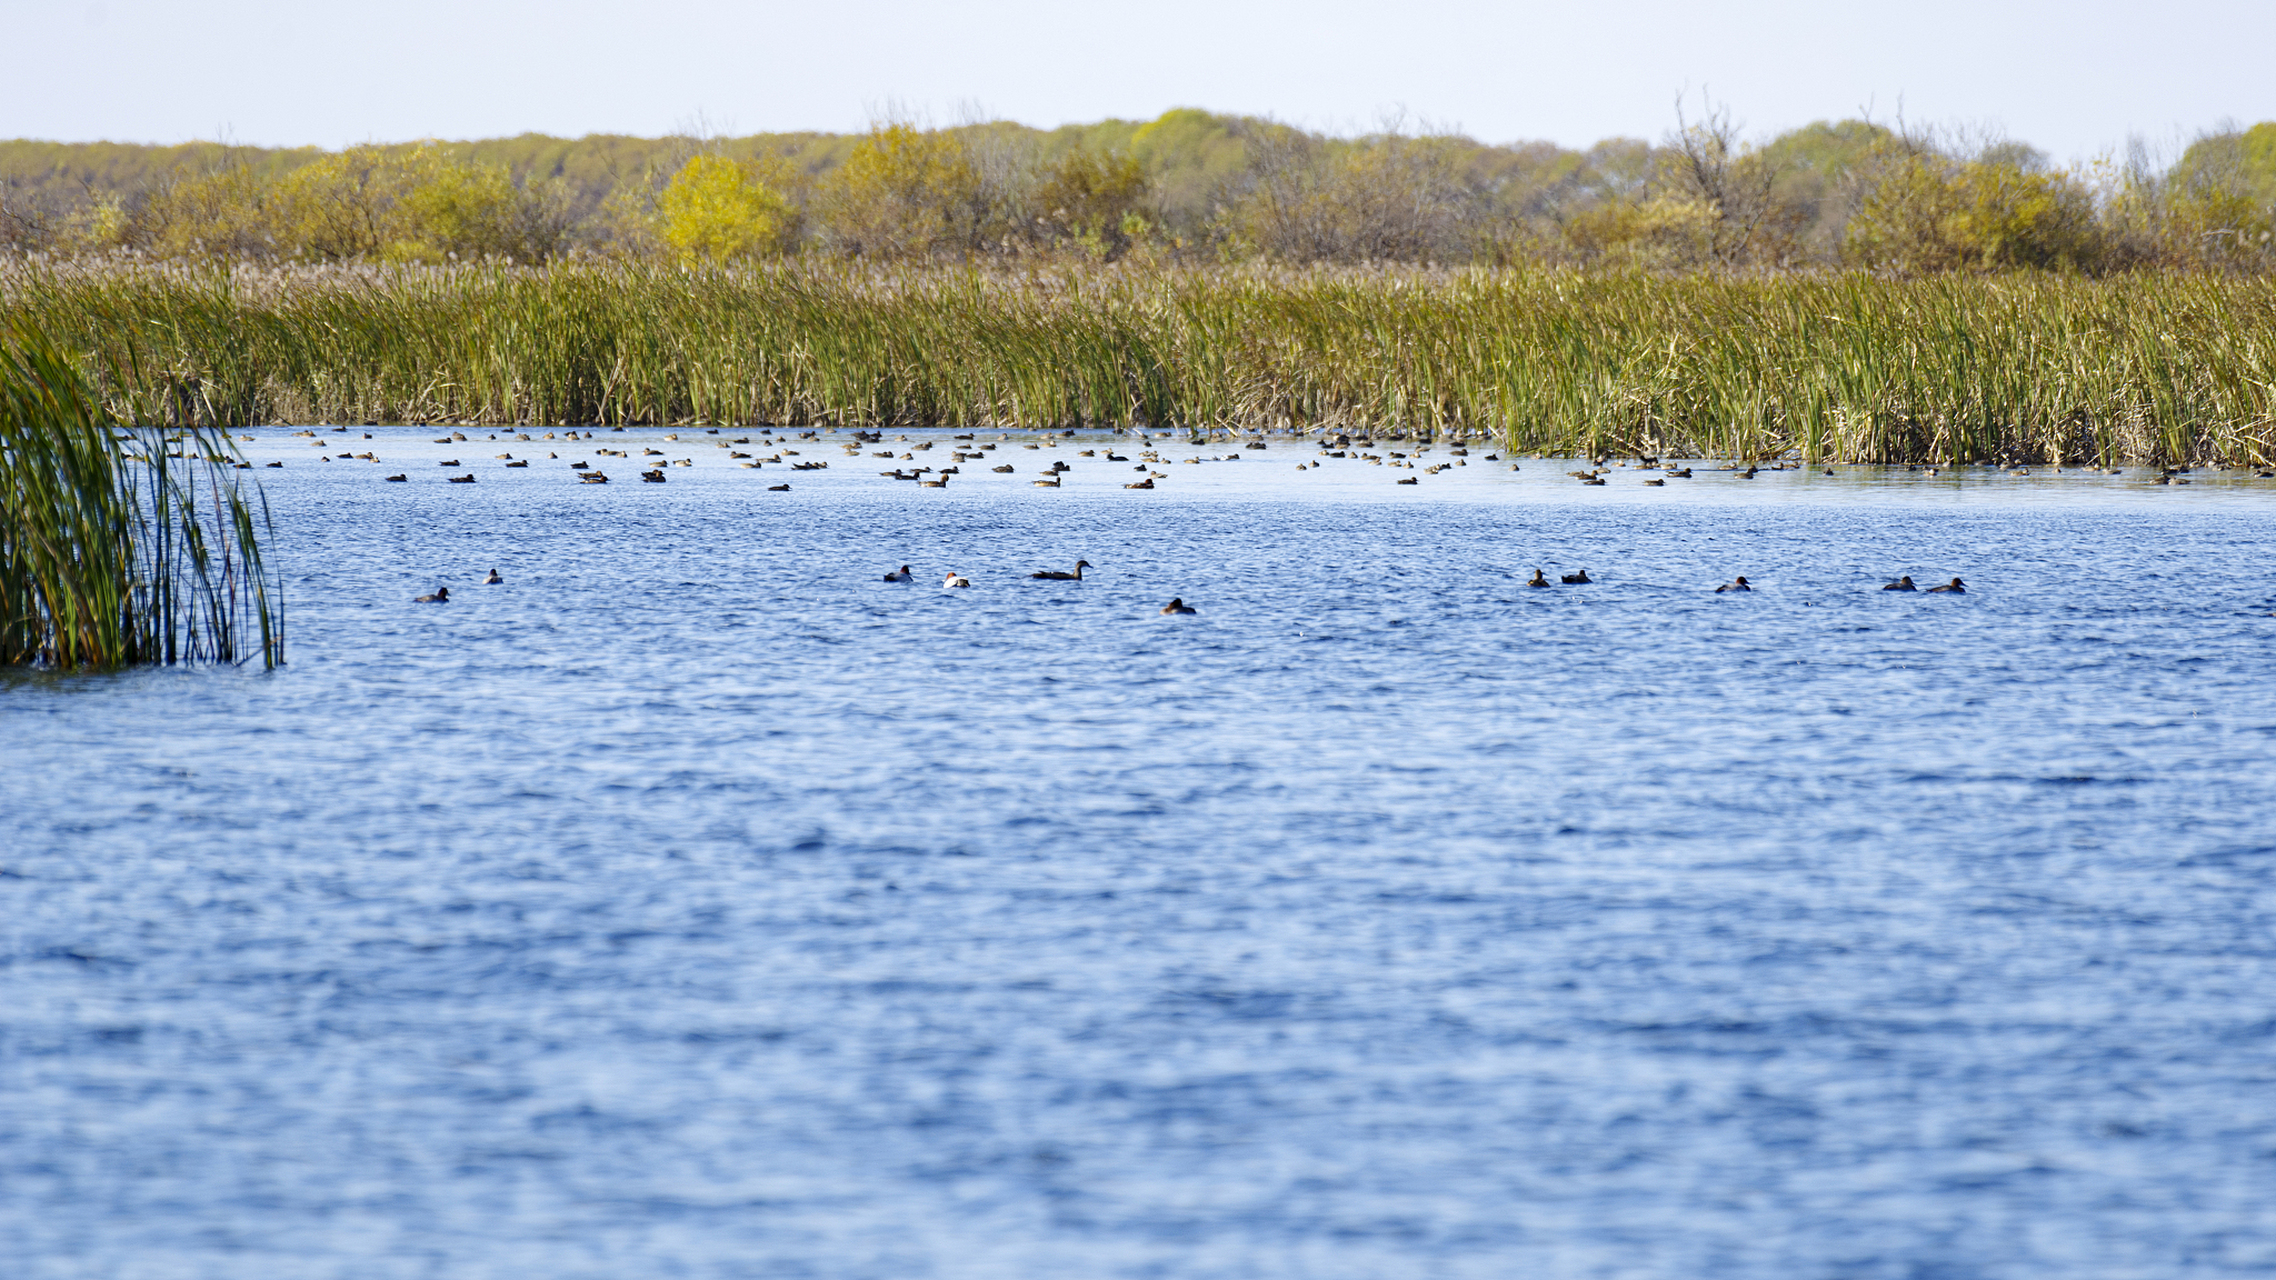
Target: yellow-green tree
(721, 210)
(1092, 200)
(390, 203)
(223, 214)
(2217, 207)
(905, 192)
(1925, 212)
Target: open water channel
(697, 904)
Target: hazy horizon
(2074, 82)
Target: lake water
(697, 904)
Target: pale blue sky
(2071, 78)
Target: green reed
(121, 545)
(2146, 368)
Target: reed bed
(2142, 369)
(120, 545)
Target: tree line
(1189, 187)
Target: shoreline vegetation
(1190, 188)
(121, 546)
(2012, 367)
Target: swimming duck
(1901, 584)
(493, 580)
(1055, 576)
(441, 596)
(903, 576)
(1576, 579)
(1955, 586)
(1736, 584)
(955, 581)
(1537, 580)
(1179, 606)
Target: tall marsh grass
(119, 545)
(2147, 368)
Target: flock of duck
(1337, 446)
(957, 581)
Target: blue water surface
(696, 904)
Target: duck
(1902, 584)
(1955, 587)
(953, 580)
(1054, 575)
(493, 580)
(1178, 606)
(903, 575)
(1735, 584)
(398, 479)
(1576, 579)
(1537, 580)
(441, 596)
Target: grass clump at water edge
(115, 551)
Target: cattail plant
(121, 544)
(2147, 368)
